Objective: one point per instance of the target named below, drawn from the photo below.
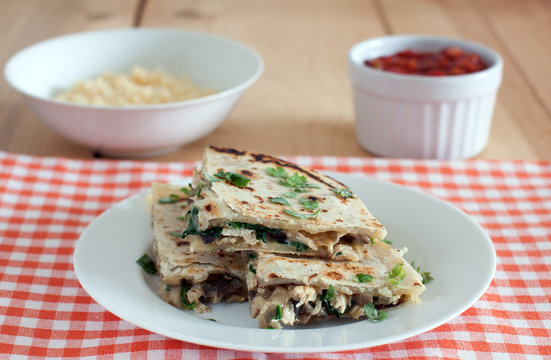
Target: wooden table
(302, 104)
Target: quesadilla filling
(217, 288)
(290, 304)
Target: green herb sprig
(171, 199)
(183, 299)
(363, 278)
(302, 215)
(147, 264)
(280, 200)
(397, 275)
(252, 269)
(309, 204)
(278, 312)
(261, 231)
(372, 314)
(232, 177)
(427, 278)
(326, 297)
(344, 192)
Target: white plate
(440, 238)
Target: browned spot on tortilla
(273, 276)
(329, 265)
(311, 277)
(323, 210)
(226, 150)
(244, 202)
(334, 275)
(339, 220)
(259, 198)
(247, 173)
(313, 198)
(417, 284)
(182, 243)
(208, 207)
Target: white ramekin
(417, 116)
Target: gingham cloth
(46, 203)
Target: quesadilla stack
(190, 280)
(310, 248)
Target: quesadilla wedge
(243, 200)
(285, 290)
(190, 280)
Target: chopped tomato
(448, 61)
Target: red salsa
(449, 61)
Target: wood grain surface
(302, 104)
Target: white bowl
(42, 70)
(417, 116)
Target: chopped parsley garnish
(302, 215)
(297, 181)
(363, 278)
(299, 246)
(309, 204)
(147, 264)
(280, 200)
(199, 187)
(290, 194)
(251, 254)
(212, 320)
(427, 278)
(208, 235)
(339, 253)
(278, 172)
(387, 241)
(171, 199)
(326, 297)
(344, 192)
(234, 178)
(372, 314)
(251, 269)
(294, 181)
(183, 299)
(186, 189)
(330, 294)
(211, 178)
(278, 312)
(396, 275)
(193, 222)
(261, 231)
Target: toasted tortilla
(209, 277)
(337, 220)
(298, 285)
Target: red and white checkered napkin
(46, 203)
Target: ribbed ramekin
(417, 116)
